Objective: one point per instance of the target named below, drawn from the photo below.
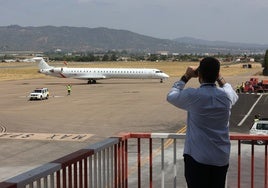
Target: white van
(39, 93)
(260, 127)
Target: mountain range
(83, 39)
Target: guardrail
(139, 160)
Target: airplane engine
(56, 70)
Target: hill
(49, 38)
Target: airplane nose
(166, 76)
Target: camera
(196, 71)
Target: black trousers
(203, 176)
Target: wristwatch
(184, 79)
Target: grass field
(16, 71)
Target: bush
(265, 64)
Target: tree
(113, 57)
(265, 64)
(153, 57)
(105, 57)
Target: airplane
(93, 74)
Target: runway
(36, 132)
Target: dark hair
(209, 69)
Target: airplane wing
(88, 77)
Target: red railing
(142, 160)
(252, 140)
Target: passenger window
(262, 126)
(259, 126)
(265, 126)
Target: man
(257, 117)
(207, 143)
(69, 89)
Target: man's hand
(221, 80)
(191, 72)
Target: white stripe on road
(249, 112)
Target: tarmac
(37, 132)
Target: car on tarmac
(39, 94)
(259, 127)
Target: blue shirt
(209, 108)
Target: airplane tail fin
(42, 64)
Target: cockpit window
(158, 71)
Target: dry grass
(16, 71)
(19, 74)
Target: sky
(242, 21)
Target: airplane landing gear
(91, 81)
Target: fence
(142, 160)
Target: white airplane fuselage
(93, 74)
